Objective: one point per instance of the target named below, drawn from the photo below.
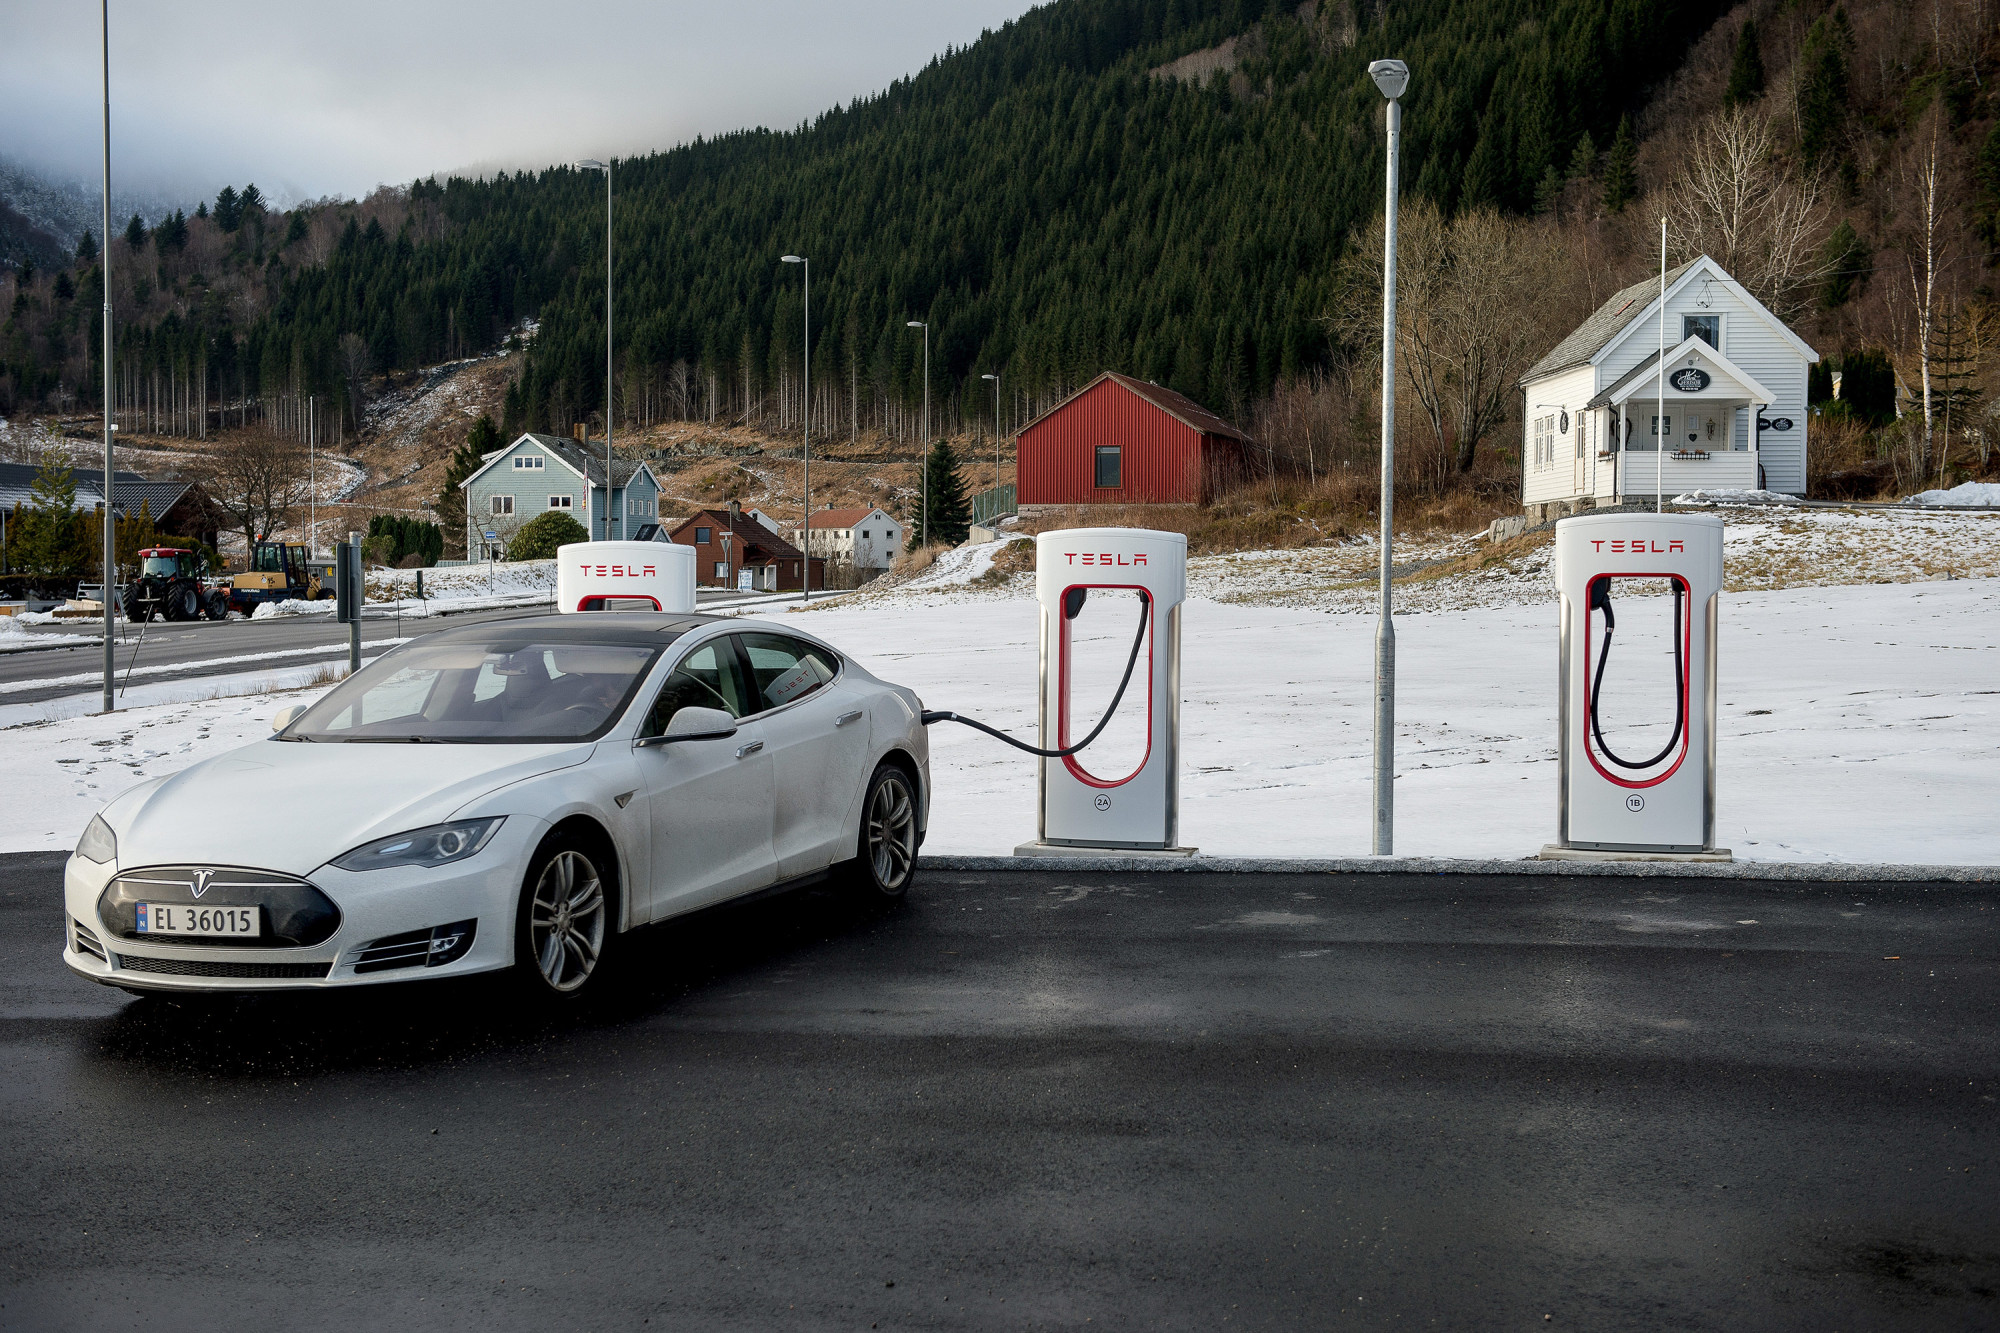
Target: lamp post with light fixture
(924, 529)
(996, 435)
(805, 449)
(1392, 77)
(592, 164)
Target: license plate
(187, 919)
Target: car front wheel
(564, 925)
(886, 850)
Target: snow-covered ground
(1967, 493)
(1857, 719)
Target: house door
(1580, 446)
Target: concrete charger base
(1116, 853)
(1553, 852)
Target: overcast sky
(338, 96)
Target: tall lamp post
(110, 544)
(924, 524)
(592, 164)
(996, 435)
(1392, 77)
(805, 449)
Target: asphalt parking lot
(1052, 1101)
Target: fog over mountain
(316, 100)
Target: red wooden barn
(1118, 440)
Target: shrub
(539, 536)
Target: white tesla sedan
(506, 795)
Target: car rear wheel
(138, 607)
(886, 849)
(564, 926)
(218, 606)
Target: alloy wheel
(892, 832)
(566, 920)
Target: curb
(1797, 872)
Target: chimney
(735, 512)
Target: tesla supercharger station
(624, 576)
(1086, 801)
(1638, 739)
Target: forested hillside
(1055, 198)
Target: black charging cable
(1072, 604)
(1600, 600)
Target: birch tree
(1738, 203)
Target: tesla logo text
(1639, 546)
(200, 884)
(621, 571)
(1103, 558)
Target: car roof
(649, 629)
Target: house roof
(1595, 334)
(839, 518)
(1692, 346)
(757, 540)
(584, 462)
(17, 484)
(1176, 405)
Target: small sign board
(1689, 379)
(746, 580)
(1780, 424)
(490, 535)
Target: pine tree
(1548, 190)
(251, 200)
(1583, 162)
(1822, 66)
(135, 232)
(950, 515)
(1848, 254)
(1746, 69)
(86, 248)
(228, 209)
(483, 438)
(1986, 189)
(50, 544)
(1621, 177)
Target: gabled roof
(1639, 303)
(578, 459)
(1176, 405)
(1692, 346)
(842, 518)
(1610, 319)
(757, 540)
(17, 484)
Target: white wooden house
(1735, 388)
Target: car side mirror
(695, 724)
(284, 717)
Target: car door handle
(751, 748)
(846, 718)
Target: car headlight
(98, 842)
(440, 844)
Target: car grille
(86, 939)
(196, 967)
(292, 912)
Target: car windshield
(471, 693)
(164, 565)
(269, 559)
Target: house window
(1109, 469)
(1663, 425)
(522, 461)
(864, 534)
(560, 502)
(636, 507)
(701, 536)
(502, 504)
(1708, 328)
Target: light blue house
(537, 473)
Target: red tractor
(170, 586)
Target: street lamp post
(805, 449)
(924, 524)
(996, 435)
(592, 164)
(110, 544)
(1393, 78)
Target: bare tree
(1471, 315)
(259, 478)
(1738, 203)
(1926, 240)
